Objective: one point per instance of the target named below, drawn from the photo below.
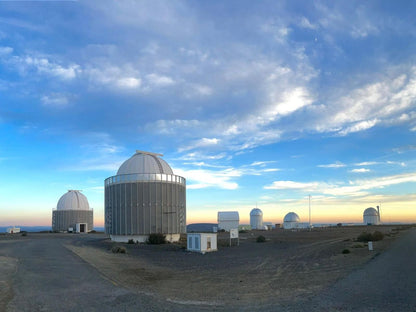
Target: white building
(202, 242)
(256, 219)
(371, 216)
(291, 221)
(13, 230)
(73, 209)
(228, 220)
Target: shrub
(24, 233)
(260, 239)
(131, 241)
(119, 249)
(366, 237)
(346, 251)
(156, 239)
(377, 235)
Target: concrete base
(142, 238)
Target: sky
(255, 103)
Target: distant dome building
(291, 221)
(371, 216)
(256, 219)
(145, 197)
(73, 213)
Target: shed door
(196, 242)
(208, 243)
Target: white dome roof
(291, 217)
(144, 162)
(370, 212)
(73, 200)
(256, 212)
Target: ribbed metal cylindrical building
(256, 219)
(145, 197)
(73, 212)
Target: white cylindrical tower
(256, 219)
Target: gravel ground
(291, 271)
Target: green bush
(346, 251)
(260, 239)
(24, 233)
(377, 236)
(156, 239)
(368, 237)
(119, 249)
(131, 241)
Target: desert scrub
(119, 249)
(346, 251)
(130, 241)
(370, 237)
(358, 246)
(156, 239)
(260, 239)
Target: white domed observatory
(371, 216)
(73, 213)
(291, 221)
(256, 219)
(145, 197)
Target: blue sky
(254, 103)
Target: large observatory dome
(291, 217)
(73, 200)
(370, 212)
(291, 221)
(145, 162)
(256, 212)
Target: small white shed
(202, 242)
(228, 220)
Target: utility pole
(310, 224)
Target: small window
(190, 242)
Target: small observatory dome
(291, 221)
(256, 219)
(371, 216)
(144, 162)
(73, 200)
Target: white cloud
(292, 185)
(360, 170)
(337, 164)
(354, 188)
(5, 50)
(128, 83)
(359, 126)
(204, 142)
(55, 100)
(202, 178)
(156, 80)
